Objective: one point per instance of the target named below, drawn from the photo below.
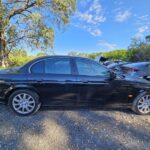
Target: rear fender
(13, 88)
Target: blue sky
(104, 25)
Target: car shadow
(72, 129)
(125, 110)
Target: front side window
(91, 68)
(52, 66)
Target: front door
(94, 84)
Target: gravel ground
(74, 130)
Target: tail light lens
(126, 69)
(133, 69)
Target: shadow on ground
(77, 129)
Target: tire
(24, 102)
(141, 104)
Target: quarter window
(38, 67)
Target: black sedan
(70, 82)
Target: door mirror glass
(147, 78)
(112, 75)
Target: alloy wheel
(23, 103)
(144, 104)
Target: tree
(116, 54)
(31, 22)
(41, 54)
(19, 57)
(121, 54)
(139, 51)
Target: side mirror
(146, 78)
(112, 75)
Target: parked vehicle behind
(112, 62)
(136, 70)
(70, 82)
(116, 67)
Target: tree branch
(19, 11)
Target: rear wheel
(24, 102)
(141, 105)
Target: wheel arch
(19, 87)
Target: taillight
(130, 69)
(134, 69)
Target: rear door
(56, 84)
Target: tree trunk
(3, 58)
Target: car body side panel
(9, 82)
(55, 90)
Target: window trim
(34, 63)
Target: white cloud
(122, 15)
(140, 31)
(91, 18)
(142, 20)
(95, 7)
(143, 29)
(107, 45)
(144, 17)
(94, 32)
(91, 29)
(93, 15)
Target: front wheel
(24, 102)
(141, 104)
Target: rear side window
(38, 67)
(52, 66)
(57, 66)
(91, 68)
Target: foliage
(139, 51)
(116, 55)
(32, 22)
(113, 55)
(19, 57)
